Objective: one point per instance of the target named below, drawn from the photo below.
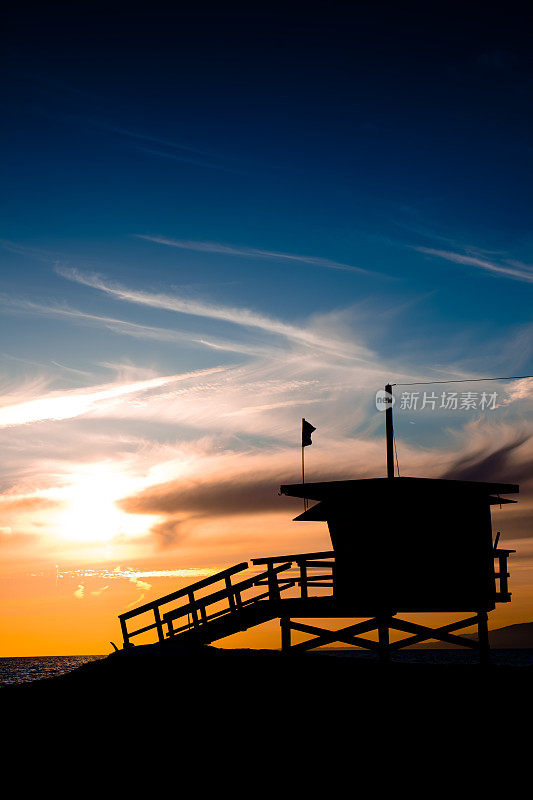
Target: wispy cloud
(521, 389)
(252, 252)
(177, 151)
(15, 502)
(186, 159)
(80, 592)
(79, 402)
(41, 364)
(133, 575)
(507, 268)
(98, 592)
(134, 329)
(142, 586)
(33, 252)
(236, 315)
(145, 137)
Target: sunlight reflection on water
(31, 668)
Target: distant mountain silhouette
(510, 637)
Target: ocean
(21, 669)
(31, 668)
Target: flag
(307, 430)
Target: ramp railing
(155, 605)
(324, 559)
(503, 595)
(200, 611)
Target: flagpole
(307, 430)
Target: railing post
(194, 612)
(303, 580)
(285, 624)
(273, 586)
(502, 561)
(159, 625)
(231, 598)
(125, 634)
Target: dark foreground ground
(225, 718)
(207, 679)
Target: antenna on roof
(389, 429)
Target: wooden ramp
(291, 588)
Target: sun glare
(90, 513)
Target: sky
(217, 221)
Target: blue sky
(368, 141)
(217, 222)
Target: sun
(89, 506)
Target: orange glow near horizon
(114, 523)
(72, 608)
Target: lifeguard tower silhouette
(400, 545)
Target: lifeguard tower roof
(330, 493)
(333, 490)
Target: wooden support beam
(431, 633)
(453, 626)
(319, 641)
(383, 634)
(324, 636)
(383, 646)
(358, 627)
(483, 636)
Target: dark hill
(511, 637)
